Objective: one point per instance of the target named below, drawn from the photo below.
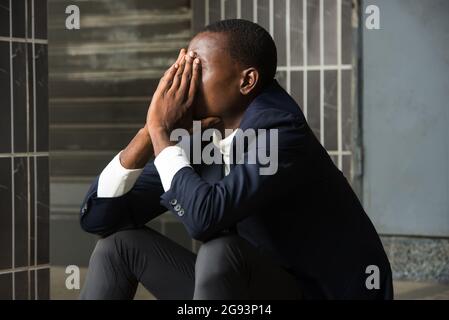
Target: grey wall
(24, 194)
(406, 118)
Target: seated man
(289, 229)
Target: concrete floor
(404, 290)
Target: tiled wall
(314, 42)
(24, 193)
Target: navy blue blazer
(306, 216)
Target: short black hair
(250, 45)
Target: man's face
(219, 90)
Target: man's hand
(170, 106)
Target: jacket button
(181, 212)
(173, 202)
(177, 207)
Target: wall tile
(18, 21)
(4, 18)
(21, 211)
(43, 204)
(21, 285)
(5, 89)
(41, 58)
(20, 96)
(5, 214)
(6, 286)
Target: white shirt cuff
(169, 162)
(115, 180)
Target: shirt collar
(224, 145)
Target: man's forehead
(208, 44)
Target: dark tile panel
(18, 21)
(5, 214)
(297, 87)
(32, 284)
(21, 211)
(330, 110)
(31, 72)
(247, 10)
(29, 18)
(41, 83)
(198, 15)
(4, 18)
(230, 9)
(6, 286)
(281, 77)
(279, 31)
(263, 14)
(21, 285)
(346, 31)
(214, 10)
(42, 236)
(330, 32)
(5, 100)
(296, 33)
(313, 101)
(313, 33)
(347, 166)
(40, 19)
(32, 208)
(20, 96)
(43, 284)
(346, 109)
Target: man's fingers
(178, 75)
(194, 82)
(186, 75)
(167, 79)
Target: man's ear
(249, 80)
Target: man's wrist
(160, 138)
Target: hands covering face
(172, 101)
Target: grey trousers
(228, 267)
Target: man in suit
(298, 232)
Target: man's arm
(127, 192)
(207, 208)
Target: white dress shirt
(115, 180)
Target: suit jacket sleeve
(207, 208)
(104, 216)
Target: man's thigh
(164, 267)
(229, 266)
(119, 261)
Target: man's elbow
(94, 227)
